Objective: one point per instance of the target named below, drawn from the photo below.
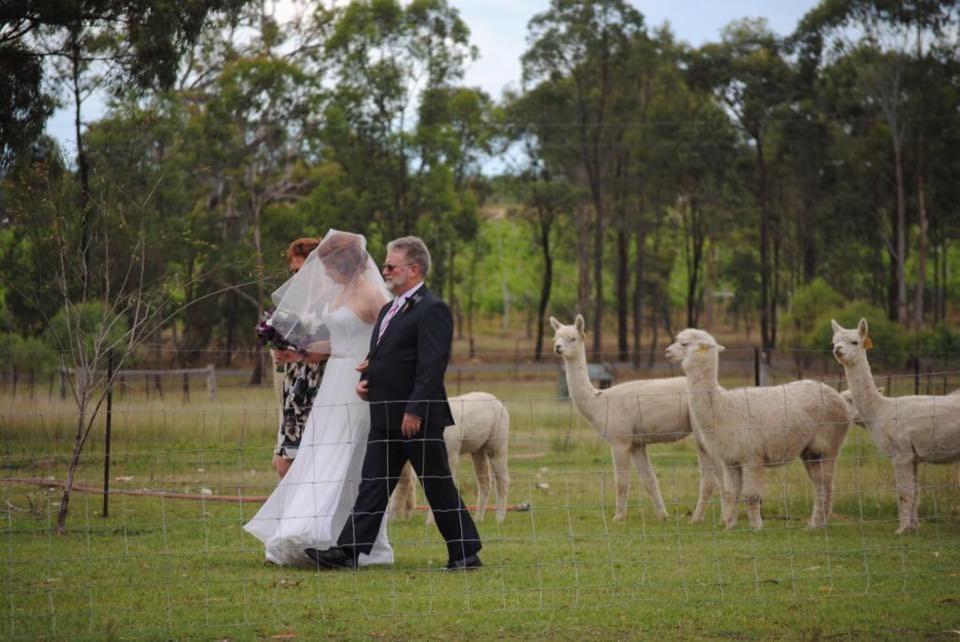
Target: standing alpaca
(482, 430)
(630, 416)
(908, 430)
(748, 429)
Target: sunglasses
(389, 267)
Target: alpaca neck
(702, 389)
(578, 384)
(867, 399)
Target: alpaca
(909, 430)
(748, 429)
(629, 417)
(482, 430)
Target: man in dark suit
(403, 381)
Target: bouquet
(269, 336)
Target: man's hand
(362, 366)
(410, 425)
(362, 390)
(316, 357)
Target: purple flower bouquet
(269, 336)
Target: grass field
(175, 569)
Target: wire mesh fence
(169, 557)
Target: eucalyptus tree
(92, 44)
(888, 41)
(751, 77)
(585, 48)
(386, 58)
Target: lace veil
(338, 269)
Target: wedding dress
(310, 506)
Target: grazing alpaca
(629, 417)
(909, 430)
(482, 430)
(748, 429)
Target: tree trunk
(765, 303)
(583, 262)
(623, 297)
(71, 471)
(545, 226)
(921, 255)
(638, 295)
(598, 276)
(83, 166)
(901, 238)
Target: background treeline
(764, 182)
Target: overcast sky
(498, 28)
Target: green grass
(166, 568)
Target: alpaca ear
(862, 327)
(836, 326)
(720, 348)
(580, 323)
(556, 325)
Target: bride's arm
(318, 351)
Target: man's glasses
(389, 267)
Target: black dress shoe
(467, 563)
(331, 559)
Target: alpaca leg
(402, 500)
(729, 493)
(821, 475)
(502, 478)
(481, 468)
(904, 473)
(641, 459)
(752, 475)
(915, 513)
(709, 472)
(621, 475)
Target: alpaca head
(850, 346)
(693, 347)
(568, 340)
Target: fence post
(14, 381)
(186, 386)
(61, 371)
(916, 374)
(756, 366)
(106, 437)
(32, 381)
(211, 382)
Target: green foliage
(25, 354)
(892, 343)
(85, 332)
(810, 303)
(943, 338)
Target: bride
(338, 290)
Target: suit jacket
(407, 367)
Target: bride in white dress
(339, 288)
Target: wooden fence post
(211, 382)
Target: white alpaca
(629, 417)
(482, 430)
(748, 429)
(908, 430)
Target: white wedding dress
(310, 506)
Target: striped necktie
(386, 320)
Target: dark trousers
(387, 452)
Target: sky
(498, 28)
